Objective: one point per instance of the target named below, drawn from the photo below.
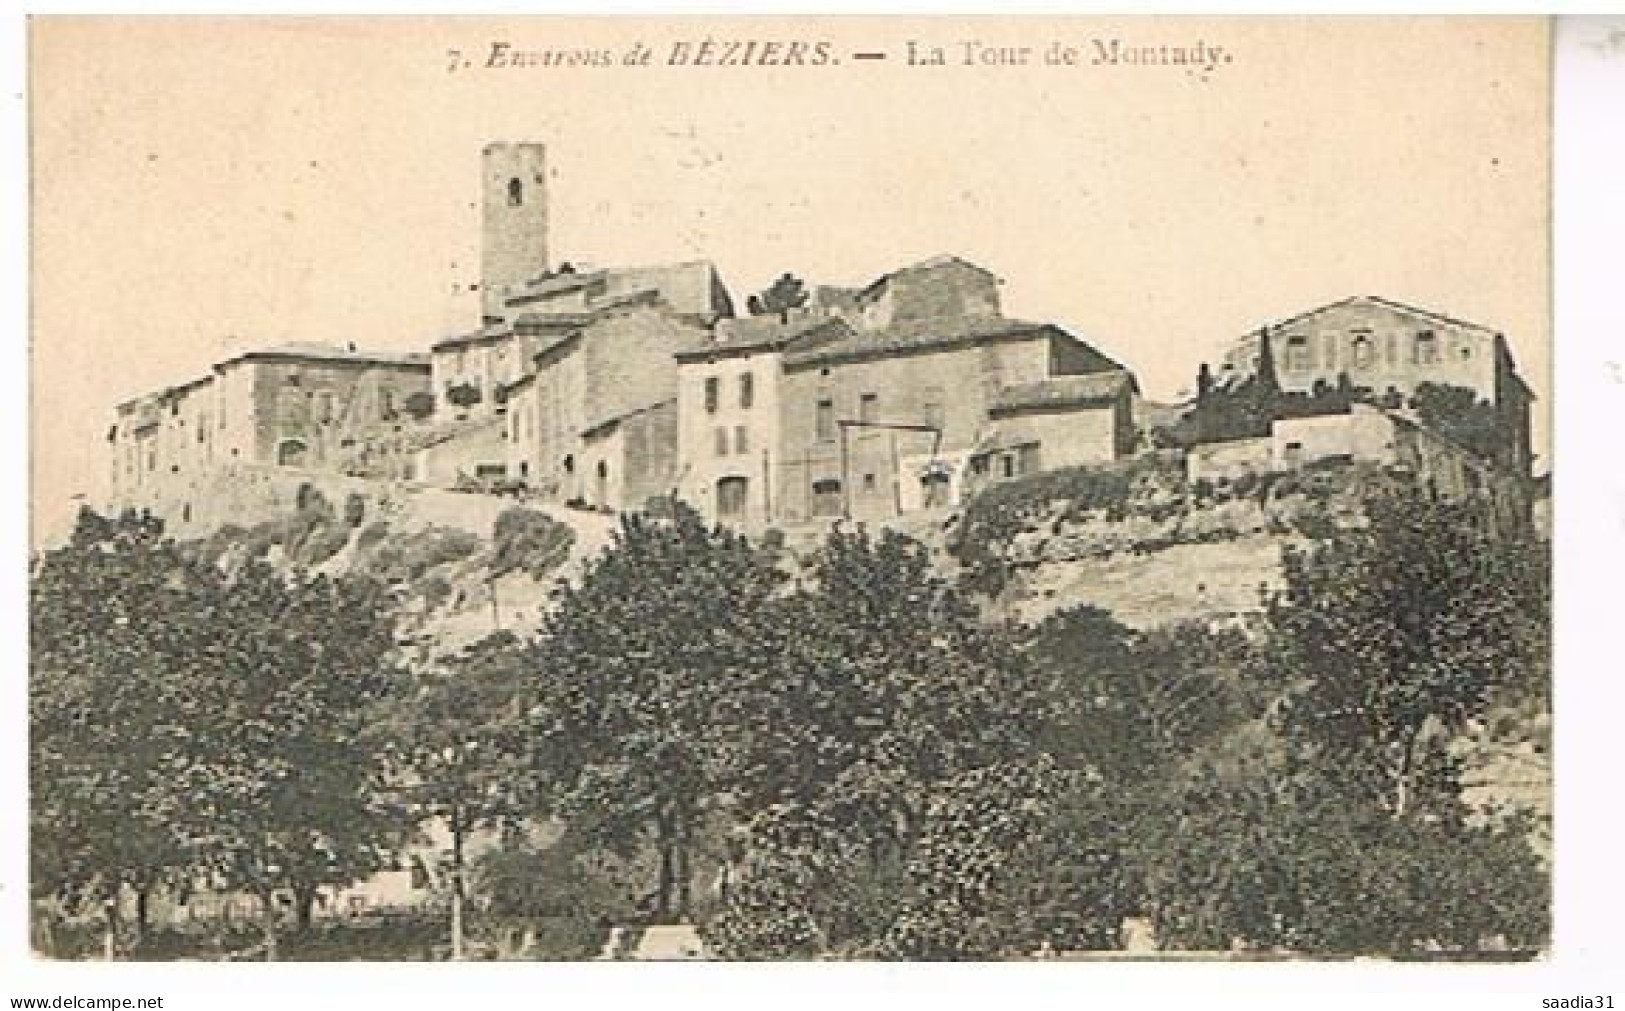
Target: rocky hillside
(1135, 539)
(463, 565)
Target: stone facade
(554, 307)
(887, 403)
(1388, 348)
(514, 213)
(606, 387)
(296, 406)
(595, 422)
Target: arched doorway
(291, 453)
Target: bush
(406, 559)
(420, 405)
(375, 532)
(1116, 490)
(529, 540)
(464, 395)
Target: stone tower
(514, 238)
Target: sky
(204, 186)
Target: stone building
(296, 405)
(596, 420)
(1387, 350)
(906, 397)
(513, 212)
(551, 307)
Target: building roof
(920, 335)
(770, 332)
(484, 335)
(1387, 303)
(555, 284)
(930, 263)
(312, 351)
(1058, 392)
(161, 396)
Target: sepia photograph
(790, 489)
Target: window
(1293, 454)
(1297, 354)
(1361, 351)
(325, 407)
(868, 482)
(747, 390)
(1008, 465)
(713, 389)
(722, 441)
(935, 486)
(868, 406)
(824, 420)
(1427, 348)
(386, 405)
(516, 193)
(731, 495)
(931, 407)
(741, 439)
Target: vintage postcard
(843, 489)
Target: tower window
(516, 192)
(1427, 348)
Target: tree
(117, 623)
(419, 405)
(885, 687)
(1345, 829)
(974, 869)
(281, 790)
(784, 294)
(455, 741)
(1456, 413)
(464, 395)
(1389, 638)
(637, 678)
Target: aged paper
(1147, 371)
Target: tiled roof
(1064, 391)
(316, 352)
(1388, 303)
(931, 263)
(490, 332)
(762, 333)
(919, 335)
(560, 319)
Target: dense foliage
(828, 756)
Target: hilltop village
(604, 388)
